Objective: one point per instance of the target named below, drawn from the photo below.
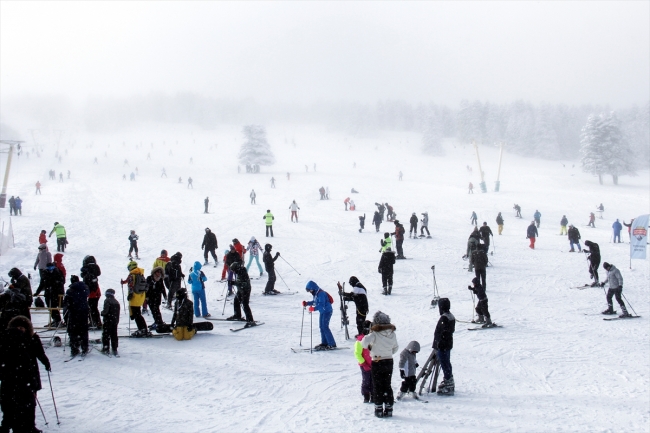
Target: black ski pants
(423, 228)
(18, 404)
(413, 229)
(133, 247)
(482, 308)
(78, 333)
(360, 319)
(366, 381)
(136, 314)
(109, 335)
(615, 293)
(400, 252)
(387, 279)
(173, 287)
(95, 317)
(382, 373)
(52, 301)
(154, 305)
(269, 229)
(593, 268)
(408, 384)
(213, 253)
(377, 226)
(60, 244)
(241, 300)
(270, 283)
(480, 274)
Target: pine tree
(593, 147)
(621, 158)
(255, 150)
(432, 133)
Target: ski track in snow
(550, 368)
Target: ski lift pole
(480, 169)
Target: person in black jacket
(482, 305)
(243, 283)
(531, 233)
(500, 222)
(155, 292)
(360, 299)
(479, 260)
(75, 311)
(21, 283)
(11, 305)
(414, 225)
(269, 266)
(385, 268)
(443, 342)
(20, 348)
(574, 238)
(594, 261)
(377, 220)
(90, 272)
(210, 245)
(133, 245)
(485, 232)
(52, 283)
(362, 222)
(111, 314)
(173, 276)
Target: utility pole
(480, 169)
(497, 185)
(3, 194)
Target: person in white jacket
(294, 210)
(382, 343)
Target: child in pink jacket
(365, 364)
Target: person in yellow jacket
(137, 284)
(386, 243)
(183, 319)
(268, 219)
(61, 237)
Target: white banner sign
(639, 237)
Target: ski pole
(58, 422)
(290, 265)
(41, 408)
(225, 283)
(123, 301)
(311, 336)
(473, 306)
(628, 303)
(282, 279)
(225, 298)
(302, 324)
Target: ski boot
(366, 398)
(385, 292)
(235, 318)
(208, 315)
(104, 350)
(328, 347)
(415, 395)
(609, 311)
(206, 262)
(446, 387)
(480, 319)
(625, 314)
(488, 323)
(390, 289)
(388, 411)
(250, 324)
(261, 273)
(115, 354)
(595, 284)
(379, 411)
(400, 396)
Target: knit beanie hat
(380, 318)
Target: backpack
(329, 297)
(139, 284)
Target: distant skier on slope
(413, 230)
(377, 220)
(425, 225)
(532, 234)
(362, 222)
(500, 223)
(615, 280)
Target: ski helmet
(181, 293)
(132, 265)
(268, 247)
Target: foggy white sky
(573, 52)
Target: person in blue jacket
(321, 303)
(196, 279)
(617, 231)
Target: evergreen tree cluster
(255, 150)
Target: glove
(304, 303)
(602, 284)
(129, 296)
(417, 365)
(34, 267)
(311, 309)
(48, 367)
(469, 287)
(402, 374)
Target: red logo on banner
(639, 231)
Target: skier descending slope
(443, 342)
(323, 303)
(615, 280)
(382, 343)
(294, 210)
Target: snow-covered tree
(432, 133)
(622, 160)
(545, 137)
(255, 150)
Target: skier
(381, 208)
(500, 223)
(321, 190)
(399, 239)
(268, 221)
(485, 232)
(382, 343)
(407, 366)
(243, 283)
(210, 245)
(473, 218)
(89, 273)
(594, 260)
(592, 220)
(358, 295)
(531, 233)
(517, 209)
(12, 206)
(269, 266)
(414, 225)
(21, 379)
(111, 315)
(161, 261)
(197, 279)
(479, 261)
(133, 245)
(22, 297)
(365, 363)
(61, 237)
(254, 248)
(425, 225)
(189, 183)
(155, 292)
(206, 203)
(377, 220)
(321, 302)
(52, 283)
(252, 195)
(617, 227)
(345, 202)
(272, 182)
(38, 187)
(615, 280)
(18, 209)
(385, 268)
(482, 305)
(443, 342)
(563, 223)
(600, 210)
(132, 176)
(294, 210)
(400, 175)
(537, 216)
(137, 284)
(43, 258)
(470, 188)
(60, 176)
(75, 313)
(473, 243)
(390, 214)
(182, 321)
(574, 238)
(362, 222)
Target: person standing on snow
(386, 243)
(615, 280)
(269, 266)
(531, 233)
(537, 217)
(75, 313)
(252, 195)
(500, 223)
(268, 221)
(111, 315)
(574, 238)
(563, 223)
(377, 220)
(473, 218)
(173, 276)
(294, 210)
(133, 245)
(210, 245)
(137, 284)
(425, 225)
(617, 227)
(382, 343)
(362, 222)
(365, 363)
(443, 342)
(18, 209)
(206, 203)
(517, 209)
(254, 248)
(592, 220)
(189, 183)
(272, 182)
(38, 187)
(485, 231)
(594, 261)
(407, 367)
(42, 259)
(385, 268)
(482, 305)
(479, 260)
(473, 244)
(321, 302)
(360, 299)
(399, 239)
(414, 226)
(346, 202)
(155, 293)
(12, 206)
(61, 237)
(52, 283)
(243, 283)
(390, 214)
(90, 272)
(197, 279)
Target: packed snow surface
(555, 365)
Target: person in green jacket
(268, 218)
(61, 239)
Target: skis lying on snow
(494, 325)
(586, 286)
(317, 350)
(246, 326)
(621, 318)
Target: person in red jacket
(58, 261)
(239, 248)
(42, 239)
(345, 202)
